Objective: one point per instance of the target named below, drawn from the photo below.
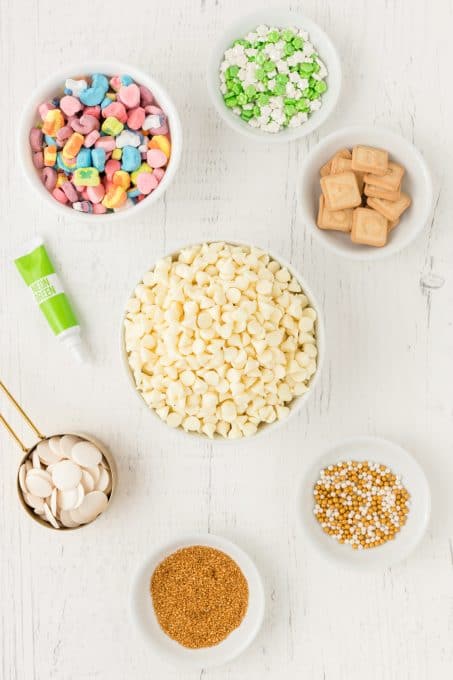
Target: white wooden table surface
(64, 609)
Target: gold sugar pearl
(360, 503)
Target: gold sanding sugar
(199, 595)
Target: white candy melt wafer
(86, 454)
(66, 475)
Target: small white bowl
(53, 86)
(294, 406)
(413, 479)
(323, 46)
(416, 183)
(146, 620)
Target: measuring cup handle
(27, 419)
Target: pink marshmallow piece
(70, 192)
(106, 143)
(60, 196)
(38, 160)
(93, 111)
(91, 138)
(146, 182)
(49, 178)
(111, 167)
(156, 158)
(35, 138)
(158, 173)
(70, 105)
(117, 110)
(95, 194)
(136, 117)
(44, 108)
(146, 96)
(130, 95)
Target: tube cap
(75, 345)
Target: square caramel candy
(392, 210)
(341, 191)
(392, 179)
(379, 192)
(370, 160)
(339, 220)
(327, 167)
(369, 228)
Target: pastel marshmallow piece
(146, 182)
(156, 158)
(70, 105)
(135, 118)
(130, 95)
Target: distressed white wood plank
(65, 599)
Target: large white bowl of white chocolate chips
(223, 340)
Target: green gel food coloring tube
(38, 272)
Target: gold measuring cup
(28, 452)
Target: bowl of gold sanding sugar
(198, 601)
(364, 504)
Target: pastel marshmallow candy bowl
(143, 383)
(116, 166)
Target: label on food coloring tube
(46, 287)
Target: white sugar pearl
(86, 454)
(38, 483)
(66, 475)
(93, 505)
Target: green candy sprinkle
(232, 71)
(320, 87)
(263, 95)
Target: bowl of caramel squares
(365, 192)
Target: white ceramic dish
(53, 85)
(416, 182)
(322, 44)
(294, 406)
(145, 618)
(413, 478)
